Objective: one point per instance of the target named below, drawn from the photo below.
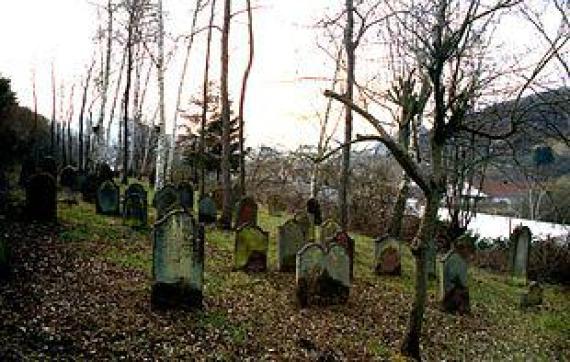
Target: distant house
(504, 191)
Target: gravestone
(305, 222)
(453, 292)
(177, 262)
(207, 212)
(137, 189)
(343, 239)
(314, 209)
(165, 200)
(186, 196)
(108, 199)
(246, 212)
(27, 171)
(89, 188)
(48, 165)
(322, 275)
(290, 239)
(387, 256)
(329, 228)
(519, 252)
(68, 177)
(41, 197)
(251, 246)
(533, 296)
(275, 205)
(135, 210)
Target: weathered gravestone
(329, 228)
(453, 292)
(290, 239)
(177, 262)
(387, 256)
(68, 181)
(275, 205)
(305, 222)
(135, 206)
(251, 246)
(108, 199)
(207, 211)
(322, 275)
(533, 296)
(343, 239)
(27, 171)
(41, 197)
(137, 189)
(48, 165)
(314, 209)
(165, 200)
(519, 252)
(186, 196)
(246, 212)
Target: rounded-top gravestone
(207, 212)
(108, 199)
(68, 177)
(165, 200)
(136, 189)
(41, 197)
(186, 196)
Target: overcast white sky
(280, 111)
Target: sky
(280, 109)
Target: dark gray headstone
(322, 275)
(251, 246)
(89, 188)
(41, 197)
(186, 196)
(108, 199)
(207, 212)
(165, 200)
(246, 212)
(388, 256)
(453, 289)
(519, 252)
(137, 189)
(290, 239)
(343, 239)
(68, 177)
(135, 210)
(178, 262)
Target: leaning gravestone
(135, 210)
(41, 197)
(290, 239)
(251, 247)
(453, 293)
(343, 239)
(387, 256)
(186, 196)
(329, 228)
(322, 275)
(305, 222)
(165, 200)
(48, 165)
(519, 252)
(314, 209)
(246, 212)
(108, 199)
(177, 262)
(207, 211)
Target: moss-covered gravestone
(290, 239)
(165, 200)
(387, 256)
(322, 275)
(453, 291)
(329, 228)
(41, 197)
(135, 210)
(186, 196)
(177, 262)
(251, 246)
(305, 222)
(343, 239)
(108, 199)
(246, 212)
(519, 252)
(207, 212)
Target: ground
(81, 289)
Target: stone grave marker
(108, 199)
(305, 222)
(290, 239)
(322, 275)
(533, 296)
(41, 197)
(387, 256)
(186, 196)
(165, 200)
(314, 209)
(251, 246)
(68, 181)
(519, 252)
(207, 211)
(343, 239)
(246, 212)
(177, 262)
(453, 291)
(48, 165)
(329, 228)
(135, 210)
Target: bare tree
(82, 114)
(226, 218)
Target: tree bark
(53, 115)
(80, 153)
(226, 219)
(130, 31)
(162, 141)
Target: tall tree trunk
(205, 97)
(162, 141)
(69, 140)
(350, 59)
(53, 115)
(82, 114)
(226, 218)
(126, 96)
(404, 133)
(107, 139)
(242, 100)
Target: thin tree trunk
(126, 97)
(81, 115)
(69, 140)
(161, 157)
(53, 115)
(115, 99)
(226, 218)
(242, 99)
